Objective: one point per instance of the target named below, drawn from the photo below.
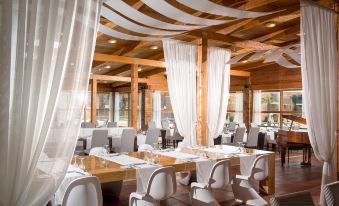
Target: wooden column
(246, 105)
(94, 101)
(202, 92)
(134, 96)
(147, 112)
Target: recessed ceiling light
(245, 61)
(112, 41)
(107, 67)
(154, 47)
(105, 82)
(139, 70)
(270, 24)
(99, 69)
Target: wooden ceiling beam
(115, 78)
(127, 60)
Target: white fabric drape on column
(319, 73)
(139, 109)
(47, 50)
(117, 107)
(239, 107)
(181, 61)
(157, 108)
(218, 84)
(256, 117)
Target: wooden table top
(108, 171)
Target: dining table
(110, 171)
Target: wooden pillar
(246, 105)
(147, 111)
(134, 96)
(202, 92)
(94, 101)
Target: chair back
(231, 126)
(259, 170)
(331, 193)
(254, 124)
(252, 138)
(162, 183)
(127, 140)
(152, 136)
(85, 191)
(165, 124)
(99, 138)
(145, 147)
(242, 124)
(293, 199)
(220, 174)
(112, 124)
(239, 135)
(151, 125)
(87, 125)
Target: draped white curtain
(256, 117)
(157, 108)
(238, 107)
(46, 55)
(181, 61)
(218, 84)
(319, 73)
(117, 107)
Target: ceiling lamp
(154, 47)
(245, 61)
(112, 41)
(139, 70)
(270, 24)
(107, 67)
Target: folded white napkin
(143, 174)
(204, 168)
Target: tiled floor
(291, 178)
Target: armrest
(137, 195)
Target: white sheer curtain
(116, 107)
(218, 85)
(319, 77)
(256, 117)
(239, 107)
(181, 61)
(157, 108)
(46, 49)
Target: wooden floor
(291, 178)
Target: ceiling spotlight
(270, 24)
(139, 70)
(245, 61)
(107, 67)
(112, 41)
(154, 47)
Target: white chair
(232, 126)
(331, 193)
(127, 141)
(161, 185)
(201, 193)
(151, 125)
(152, 136)
(84, 191)
(112, 124)
(254, 124)
(99, 138)
(145, 147)
(243, 186)
(252, 137)
(165, 124)
(238, 136)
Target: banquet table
(109, 171)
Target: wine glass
(107, 149)
(82, 165)
(155, 146)
(75, 163)
(239, 146)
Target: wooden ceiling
(239, 36)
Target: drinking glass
(107, 149)
(75, 163)
(82, 165)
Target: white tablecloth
(143, 174)
(72, 174)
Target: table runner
(123, 160)
(231, 150)
(177, 154)
(204, 168)
(246, 162)
(143, 174)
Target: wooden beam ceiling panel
(127, 60)
(97, 77)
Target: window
(103, 110)
(271, 113)
(124, 109)
(270, 109)
(166, 106)
(235, 108)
